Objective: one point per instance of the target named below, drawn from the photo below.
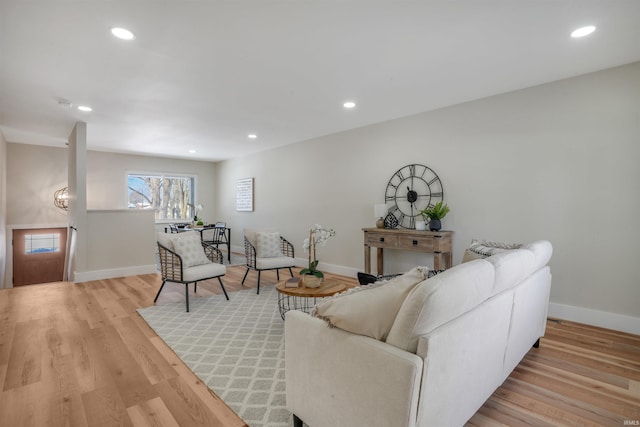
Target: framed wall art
(244, 195)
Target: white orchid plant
(196, 209)
(318, 236)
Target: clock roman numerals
(434, 180)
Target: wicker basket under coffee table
(305, 299)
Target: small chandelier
(61, 198)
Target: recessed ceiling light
(192, 151)
(252, 136)
(85, 108)
(583, 31)
(349, 104)
(123, 33)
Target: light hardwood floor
(80, 355)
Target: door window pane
(41, 243)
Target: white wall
(557, 162)
(34, 173)
(107, 178)
(121, 243)
(3, 209)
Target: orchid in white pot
(318, 237)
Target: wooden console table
(437, 243)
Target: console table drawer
(421, 243)
(437, 243)
(381, 240)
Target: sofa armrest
(336, 378)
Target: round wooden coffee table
(305, 299)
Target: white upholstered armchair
(184, 258)
(266, 249)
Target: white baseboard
(86, 276)
(602, 319)
(329, 268)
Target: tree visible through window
(172, 197)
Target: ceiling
(202, 75)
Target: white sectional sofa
(450, 342)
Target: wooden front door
(38, 255)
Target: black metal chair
(259, 264)
(173, 270)
(218, 234)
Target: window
(172, 197)
(40, 243)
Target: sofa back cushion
(370, 310)
(542, 251)
(511, 267)
(439, 300)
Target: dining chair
(218, 234)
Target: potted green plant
(434, 214)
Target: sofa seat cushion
(439, 300)
(275, 262)
(199, 272)
(370, 310)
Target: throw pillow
(370, 310)
(479, 249)
(268, 245)
(189, 247)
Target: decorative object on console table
(390, 221)
(380, 210)
(438, 243)
(410, 190)
(435, 214)
(318, 236)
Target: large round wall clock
(411, 189)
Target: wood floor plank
(153, 364)
(130, 381)
(25, 360)
(18, 407)
(553, 405)
(7, 327)
(104, 407)
(153, 413)
(185, 405)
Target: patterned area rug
(236, 347)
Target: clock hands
(412, 196)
